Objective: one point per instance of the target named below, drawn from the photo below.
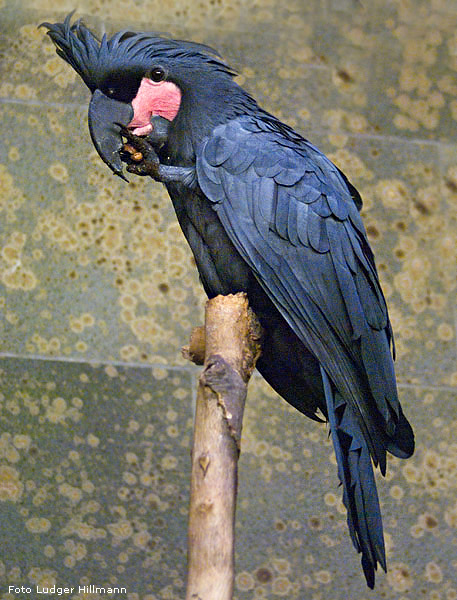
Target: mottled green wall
(98, 292)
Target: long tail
(355, 472)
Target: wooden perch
(231, 347)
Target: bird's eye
(157, 74)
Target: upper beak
(104, 116)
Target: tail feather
(355, 472)
(401, 444)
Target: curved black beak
(104, 116)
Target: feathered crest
(92, 58)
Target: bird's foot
(139, 154)
(141, 158)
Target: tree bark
(231, 348)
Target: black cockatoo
(264, 212)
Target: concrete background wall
(98, 292)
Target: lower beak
(104, 116)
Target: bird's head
(134, 77)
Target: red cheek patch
(162, 98)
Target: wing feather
(294, 219)
(302, 219)
(293, 204)
(218, 150)
(317, 231)
(321, 207)
(281, 212)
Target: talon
(125, 130)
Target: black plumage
(265, 212)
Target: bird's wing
(290, 215)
